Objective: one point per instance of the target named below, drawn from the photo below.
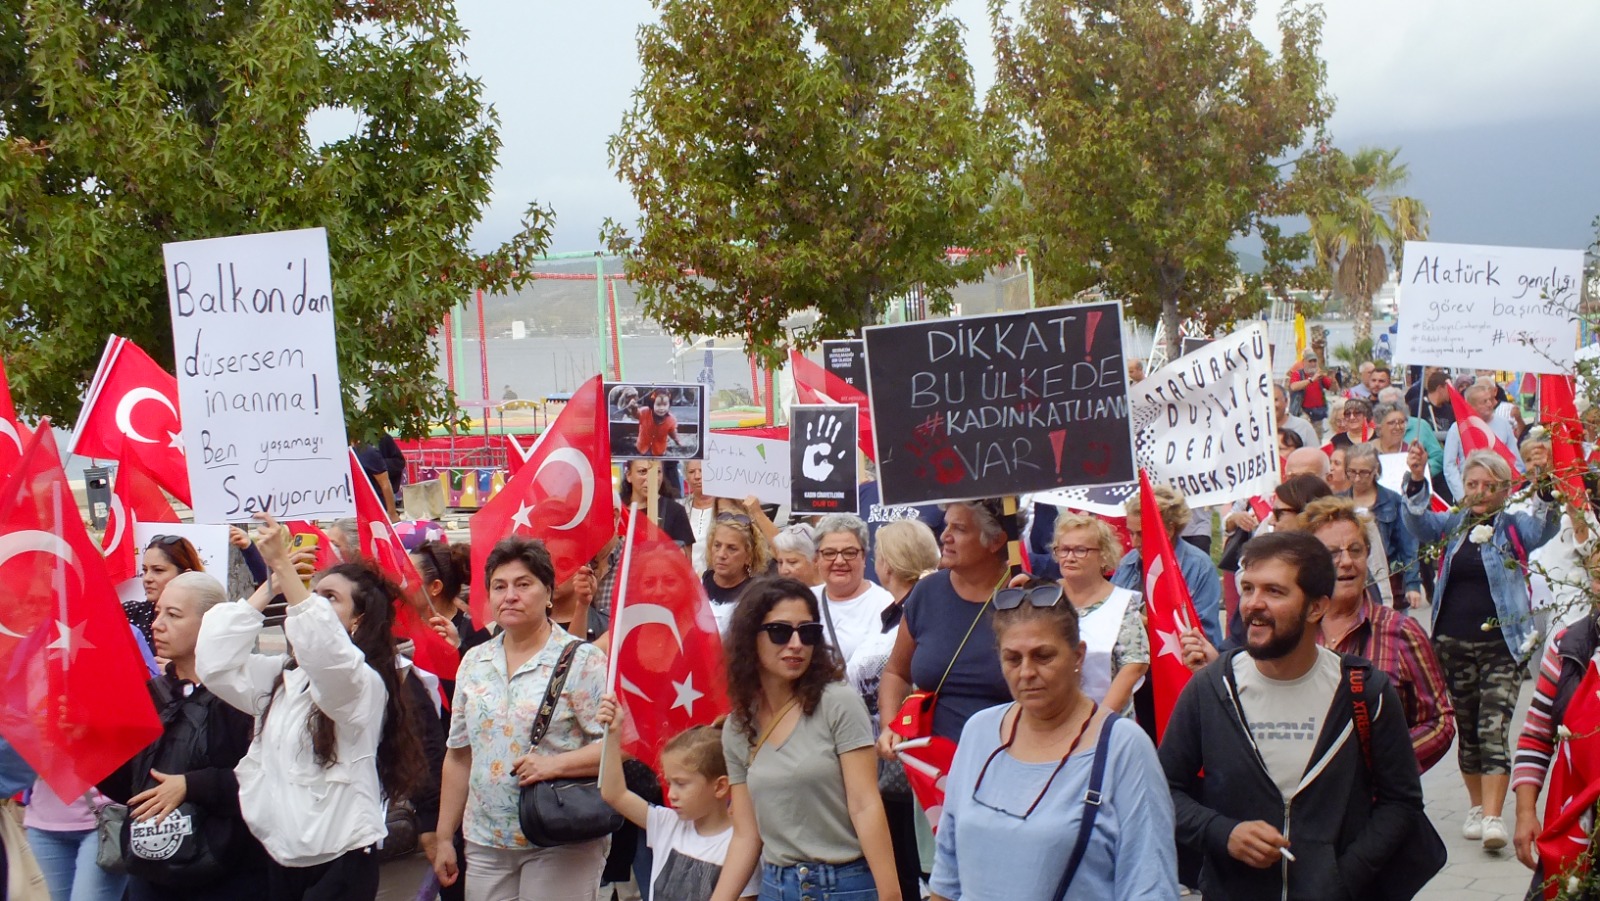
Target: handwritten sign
(847, 360)
(1205, 423)
(258, 376)
(1009, 403)
(737, 466)
(1512, 308)
(822, 458)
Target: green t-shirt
(797, 787)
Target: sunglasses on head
(1044, 595)
(165, 541)
(780, 633)
(736, 518)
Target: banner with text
(1009, 403)
(737, 466)
(1511, 308)
(822, 458)
(847, 360)
(1205, 421)
(258, 376)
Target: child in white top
(689, 839)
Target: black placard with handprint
(986, 406)
(822, 457)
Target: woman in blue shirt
(1014, 800)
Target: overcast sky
(1496, 107)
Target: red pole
(483, 361)
(616, 336)
(450, 360)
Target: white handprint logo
(821, 433)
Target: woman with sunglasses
(1383, 505)
(1356, 421)
(853, 604)
(1015, 805)
(165, 558)
(798, 745)
(737, 555)
(1116, 650)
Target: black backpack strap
(552, 695)
(1091, 805)
(1360, 712)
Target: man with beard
(1274, 731)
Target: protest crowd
(663, 693)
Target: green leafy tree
(1145, 135)
(127, 125)
(819, 154)
(1357, 219)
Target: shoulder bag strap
(970, 630)
(767, 732)
(1356, 678)
(833, 634)
(552, 694)
(1091, 806)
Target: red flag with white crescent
(815, 385)
(667, 650)
(1476, 434)
(561, 495)
(73, 700)
(135, 498)
(1170, 611)
(134, 411)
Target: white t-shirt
(686, 865)
(856, 619)
(1285, 717)
(700, 524)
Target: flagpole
(616, 620)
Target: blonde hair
(1110, 546)
(907, 549)
(1326, 511)
(1174, 508)
(1490, 462)
(753, 542)
(701, 750)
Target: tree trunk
(1170, 324)
(1362, 316)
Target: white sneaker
(1472, 829)
(1494, 834)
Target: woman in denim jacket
(1383, 505)
(1482, 621)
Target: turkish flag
(132, 407)
(1169, 610)
(665, 647)
(377, 541)
(816, 385)
(561, 495)
(927, 761)
(1476, 434)
(73, 700)
(516, 454)
(327, 552)
(1558, 409)
(1574, 787)
(135, 498)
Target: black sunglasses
(165, 541)
(780, 633)
(1045, 595)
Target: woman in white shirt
(852, 604)
(1110, 619)
(335, 735)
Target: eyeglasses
(1360, 473)
(1046, 595)
(1355, 552)
(1073, 553)
(780, 633)
(1354, 414)
(850, 554)
(1010, 740)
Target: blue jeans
(67, 859)
(818, 882)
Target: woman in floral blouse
(499, 688)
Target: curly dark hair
(402, 767)
(744, 661)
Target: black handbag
(186, 848)
(1232, 548)
(1406, 871)
(562, 811)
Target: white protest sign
(1511, 308)
(210, 543)
(1204, 422)
(1393, 472)
(738, 466)
(258, 376)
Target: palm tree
(1362, 225)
